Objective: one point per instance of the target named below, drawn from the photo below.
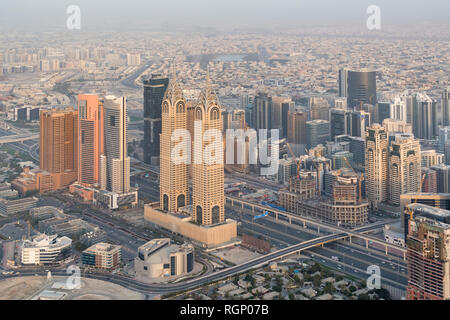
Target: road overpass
(203, 280)
(256, 209)
(18, 138)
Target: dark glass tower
(154, 89)
(359, 87)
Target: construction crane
(297, 159)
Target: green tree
(316, 280)
(329, 288)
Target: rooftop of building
(157, 250)
(43, 240)
(442, 213)
(426, 194)
(103, 247)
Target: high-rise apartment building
(419, 110)
(358, 87)
(262, 111)
(382, 112)
(353, 123)
(444, 142)
(204, 220)
(317, 132)
(90, 139)
(319, 109)
(208, 197)
(376, 165)
(296, 132)
(397, 126)
(154, 89)
(279, 114)
(358, 121)
(173, 173)
(429, 180)
(115, 163)
(445, 106)
(424, 117)
(404, 167)
(431, 158)
(443, 177)
(428, 261)
(338, 122)
(59, 145)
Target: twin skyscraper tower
(207, 178)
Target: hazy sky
(126, 14)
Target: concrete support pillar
(318, 229)
(367, 243)
(290, 220)
(276, 216)
(304, 224)
(350, 239)
(386, 249)
(404, 256)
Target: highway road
(130, 81)
(353, 259)
(18, 138)
(130, 283)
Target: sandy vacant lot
(20, 288)
(235, 255)
(91, 289)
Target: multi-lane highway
(212, 277)
(354, 259)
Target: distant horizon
(218, 15)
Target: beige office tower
(208, 178)
(404, 167)
(376, 165)
(319, 109)
(190, 116)
(115, 163)
(173, 171)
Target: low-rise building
(102, 255)
(160, 258)
(12, 206)
(45, 249)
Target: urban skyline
(205, 160)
